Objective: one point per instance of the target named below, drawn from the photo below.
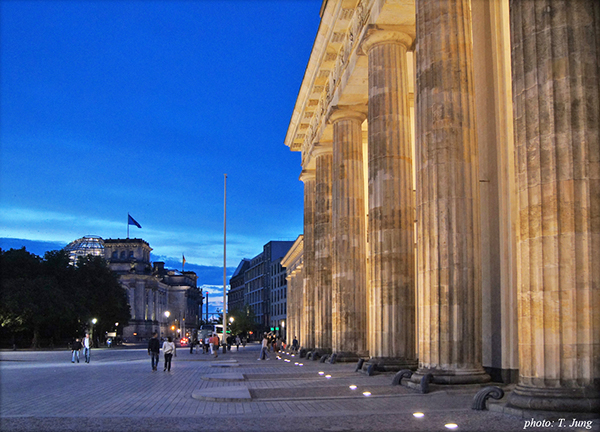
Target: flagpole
(127, 225)
(225, 265)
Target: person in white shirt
(264, 348)
(86, 347)
(169, 351)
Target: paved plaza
(117, 391)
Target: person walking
(75, 349)
(87, 343)
(238, 341)
(214, 345)
(169, 351)
(264, 348)
(295, 345)
(154, 350)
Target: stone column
(307, 318)
(555, 60)
(349, 309)
(391, 204)
(447, 196)
(324, 158)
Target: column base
(347, 357)
(581, 400)
(317, 353)
(392, 364)
(458, 376)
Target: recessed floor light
(419, 415)
(321, 373)
(367, 393)
(451, 425)
(327, 376)
(353, 387)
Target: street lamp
(167, 315)
(94, 321)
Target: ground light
(367, 393)
(419, 415)
(353, 387)
(451, 425)
(321, 373)
(327, 376)
(300, 364)
(296, 363)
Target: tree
(49, 298)
(99, 294)
(243, 320)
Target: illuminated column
(322, 249)
(447, 196)
(555, 46)
(307, 318)
(391, 204)
(349, 309)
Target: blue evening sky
(110, 107)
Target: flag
(183, 258)
(183, 263)
(132, 221)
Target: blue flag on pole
(132, 221)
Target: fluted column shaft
(307, 318)
(349, 311)
(324, 159)
(447, 195)
(391, 201)
(555, 58)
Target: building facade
(264, 285)
(451, 166)
(237, 288)
(166, 301)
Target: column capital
(347, 113)
(377, 36)
(322, 148)
(307, 175)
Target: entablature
(337, 71)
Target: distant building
(88, 245)
(264, 284)
(152, 291)
(235, 296)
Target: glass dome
(88, 245)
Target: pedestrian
(169, 351)
(264, 348)
(205, 345)
(192, 343)
(214, 345)
(87, 344)
(75, 350)
(238, 341)
(244, 340)
(295, 345)
(154, 350)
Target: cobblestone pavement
(117, 391)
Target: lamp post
(283, 329)
(167, 315)
(94, 321)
